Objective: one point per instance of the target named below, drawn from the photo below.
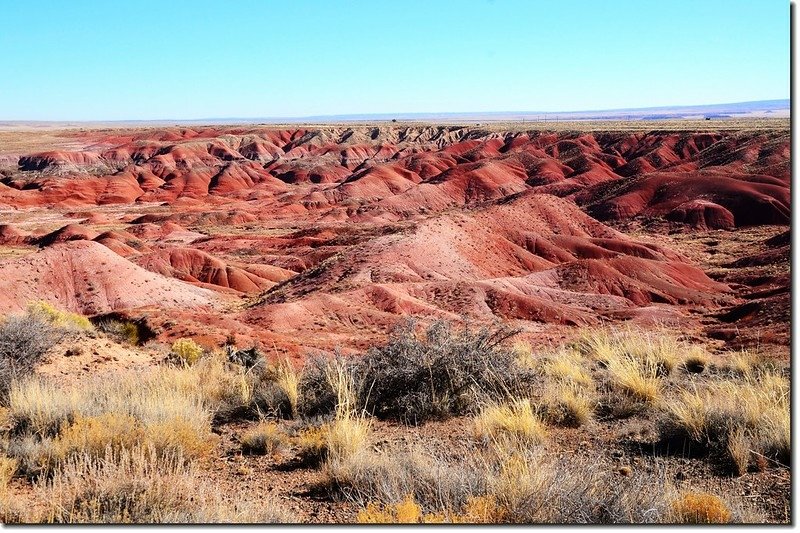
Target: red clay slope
(533, 258)
(88, 278)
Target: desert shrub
(24, 340)
(186, 351)
(264, 438)
(64, 320)
(738, 419)
(331, 383)
(443, 373)
(248, 358)
(513, 422)
(700, 508)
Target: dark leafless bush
(24, 340)
(447, 371)
(318, 395)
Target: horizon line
(778, 103)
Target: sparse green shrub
(122, 330)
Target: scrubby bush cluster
(129, 448)
(442, 372)
(25, 339)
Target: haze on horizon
(91, 60)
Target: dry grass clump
(568, 366)
(566, 404)
(437, 484)
(8, 467)
(60, 319)
(657, 348)
(747, 363)
(700, 508)
(334, 441)
(264, 438)
(141, 486)
(287, 378)
(186, 351)
(407, 511)
(636, 364)
(500, 485)
(635, 377)
(92, 435)
(51, 423)
(696, 360)
(740, 419)
(513, 422)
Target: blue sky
(181, 59)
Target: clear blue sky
(181, 59)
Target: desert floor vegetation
(443, 423)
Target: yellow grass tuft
(8, 467)
(482, 510)
(514, 422)
(568, 366)
(91, 435)
(264, 438)
(635, 377)
(287, 378)
(341, 379)
(741, 416)
(568, 404)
